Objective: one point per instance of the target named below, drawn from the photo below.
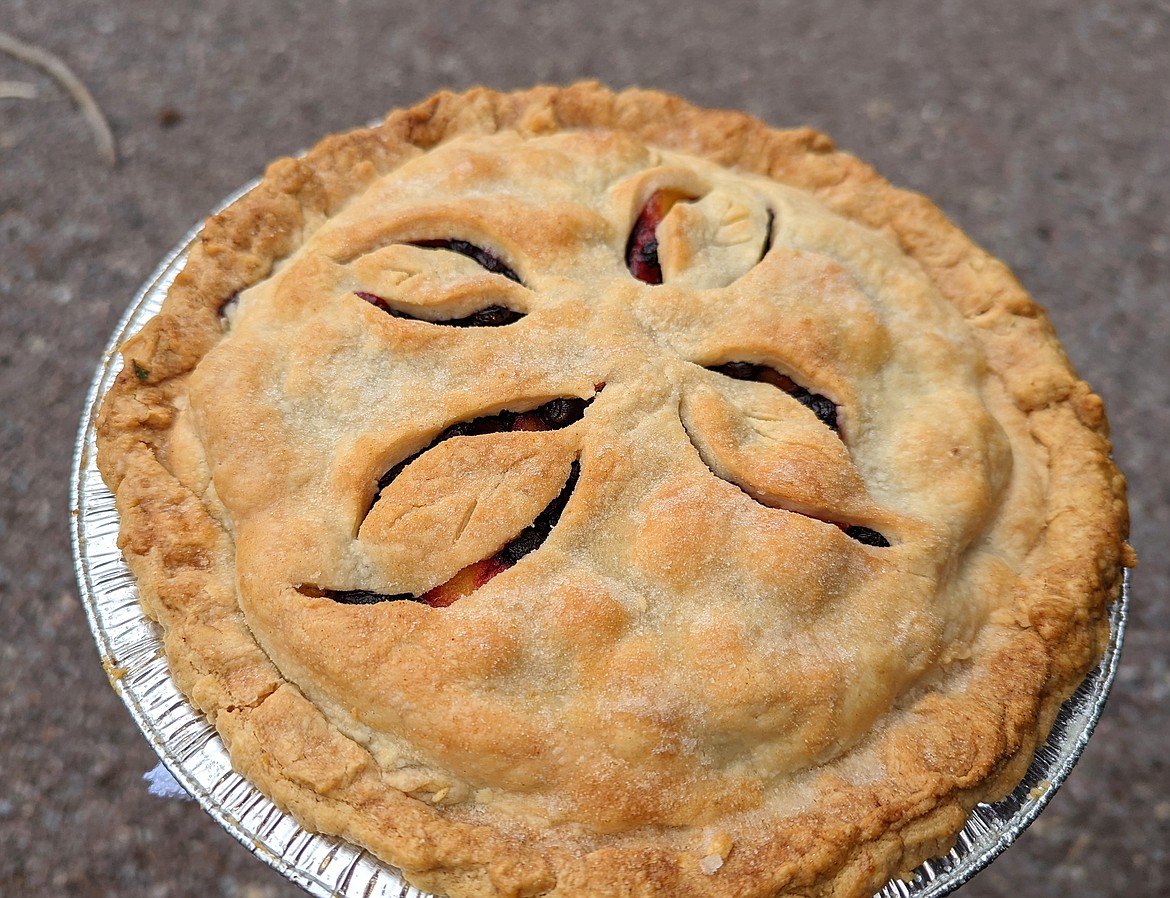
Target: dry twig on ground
(17, 90)
(63, 75)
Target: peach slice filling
(642, 248)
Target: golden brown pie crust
(697, 684)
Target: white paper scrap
(162, 784)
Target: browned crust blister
(976, 744)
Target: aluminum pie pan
(132, 654)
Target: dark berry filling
(486, 260)
(866, 536)
(533, 536)
(475, 575)
(821, 406)
(352, 596)
(642, 247)
(492, 316)
(561, 412)
(768, 234)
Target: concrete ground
(1043, 128)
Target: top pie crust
(699, 682)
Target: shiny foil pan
(132, 654)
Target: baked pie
(583, 493)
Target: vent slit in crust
(490, 316)
(642, 246)
(486, 260)
(553, 415)
(768, 234)
(474, 575)
(864, 535)
(821, 406)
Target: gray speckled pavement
(1042, 127)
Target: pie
(573, 493)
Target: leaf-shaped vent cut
(862, 534)
(474, 575)
(642, 247)
(490, 316)
(553, 415)
(486, 260)
(821, 406)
